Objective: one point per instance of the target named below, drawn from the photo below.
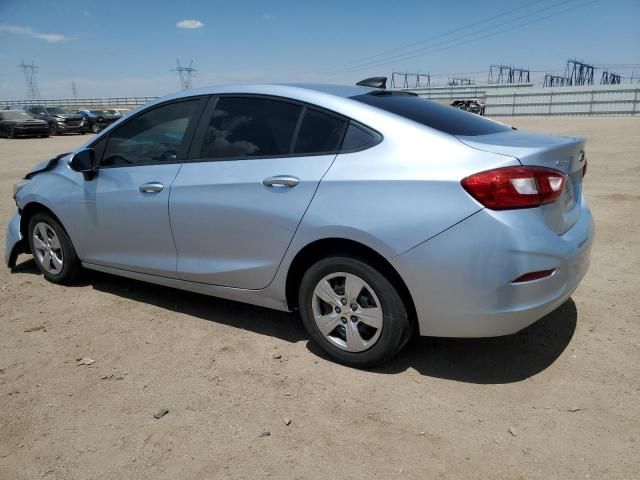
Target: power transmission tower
(185, 74)
(507, 74)
(456, 81)
(30, 78)
(74, 90)
(556, 81)
(609, 78)
(579, 73)
(411, 80)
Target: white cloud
(190, 24)
(30, 32)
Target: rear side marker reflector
(515, 187)
(528, 277)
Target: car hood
(31, 121)
(69, 116)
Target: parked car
(97, 120)
(122, 111)
(473, 106)
(14, 123)
(60, 120)
(106, 117)
(374, 213)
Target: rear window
(432, 114)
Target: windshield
(112, 112)
(432, 114)
(60, 111)
(98, 112)
(16, 116)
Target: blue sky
(117, 48)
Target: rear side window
(319, 133)
(250, 127)
(359, 137)
(432, 114)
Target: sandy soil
(559, 400)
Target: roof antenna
(374, 82)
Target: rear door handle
(281, 182)
(151, 187)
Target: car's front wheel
(53, 131)
(52, 249)
(353, 312)
(11, 133)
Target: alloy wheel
(347, 311)
(48, 251)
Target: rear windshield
(432, 114)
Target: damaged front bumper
(14, 243)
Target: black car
(103, 118)
(473, 106)
(60, 119)
(14, 123)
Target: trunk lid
(565, 154)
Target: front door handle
(281, 182)
(151, 187)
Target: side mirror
(84, 161)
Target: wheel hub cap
(341, 289)
(47, 248)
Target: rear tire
(53, 131)
(11, 133)
(353, 312)
(52, 249)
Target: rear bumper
(14, 243)
(460, 280)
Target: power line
(393, 50)
(363, 63)
(424, 53)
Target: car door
(123, 211)
(253, 169)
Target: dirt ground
(559, 400)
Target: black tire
(396, 327)
(53, 131)
(71, 267)
(95, 128)
(11, 133)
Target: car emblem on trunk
(563, 164)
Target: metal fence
(527, 100)
(500, 99)
(80, 102)
(594, 100)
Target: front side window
(152, 137)
(319, 133)
(245, 127)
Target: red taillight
(515, 187)
(528, 277)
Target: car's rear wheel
(353, 312)
(52, 249)
(53, 131)
(11, 132)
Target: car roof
(300, 91)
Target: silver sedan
(374, 213)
